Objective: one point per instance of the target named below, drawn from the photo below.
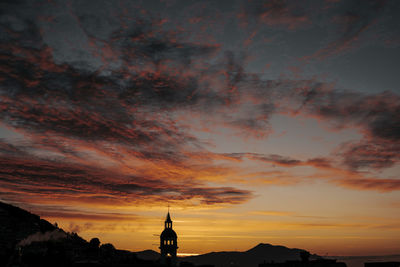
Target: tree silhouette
(94, 242)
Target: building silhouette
(168, 243)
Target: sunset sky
(256, 121)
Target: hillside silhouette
(148, 254)
(16, 225)
(27, 240)
(252, 257)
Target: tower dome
(168, 234)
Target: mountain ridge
(251, 257)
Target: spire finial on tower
(168, 219)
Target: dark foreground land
(26, 240)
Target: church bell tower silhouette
(168, 243)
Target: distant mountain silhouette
(250, 258)
(148, 255)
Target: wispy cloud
(115, 125)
